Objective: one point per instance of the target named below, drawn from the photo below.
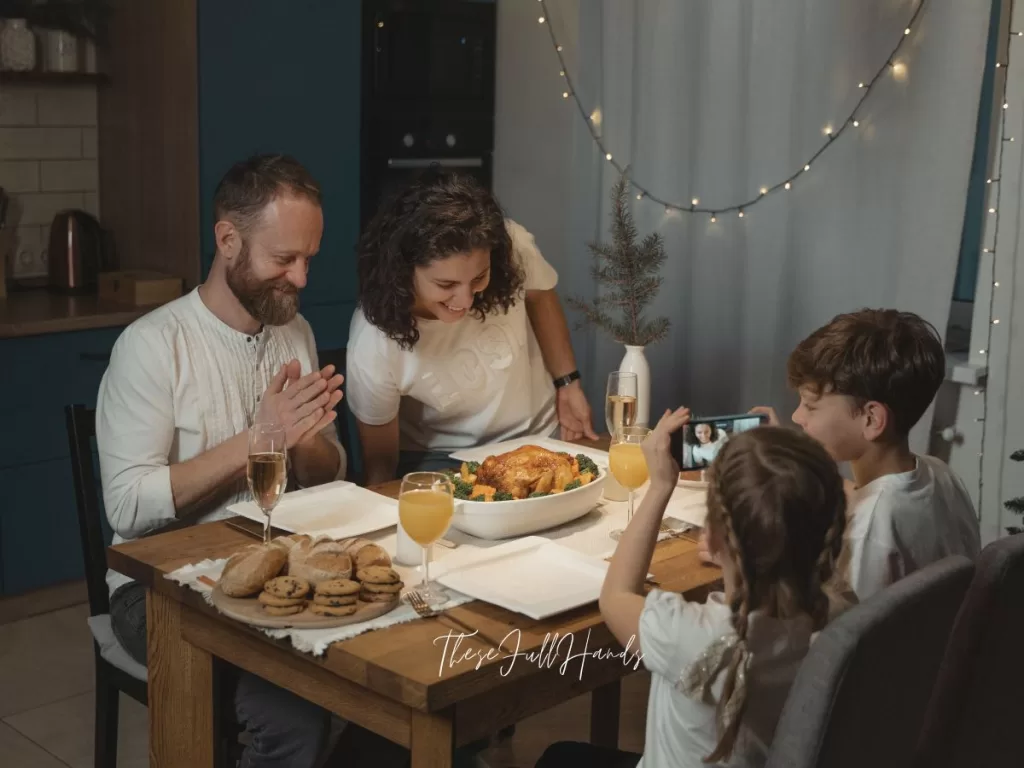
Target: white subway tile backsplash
(40, 143)
(19, 175)
(40, 208)
(68, 175)
(89, 144)
(74, 105)
(17, 106)
(91, 203)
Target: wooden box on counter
(139, 288)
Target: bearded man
(187, 381)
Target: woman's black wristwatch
(569, 378)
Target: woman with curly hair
(459, 338)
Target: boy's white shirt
(902, 522)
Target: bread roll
(320, 560)
(365, 553)
(247, 571)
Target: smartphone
(696, 445)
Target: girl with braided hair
(721, 669)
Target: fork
(419, 605)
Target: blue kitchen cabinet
(39, 539)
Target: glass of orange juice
(627, 463)
(425, 506)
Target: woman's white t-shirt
(673, 634)
(463, 384)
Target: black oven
(427, 91)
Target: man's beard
(273, 302)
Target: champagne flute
(426, 503)
(620, 401)
(267, 468)
(627, 464)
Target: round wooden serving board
(249, 610)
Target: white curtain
(715, 100)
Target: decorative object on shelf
(17, 46)
(1016, 505)
(629, 270)
(83, 19)
(893, 66)
(61, 51)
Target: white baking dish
(521, 517)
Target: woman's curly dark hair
(439, 215)
(690, 433)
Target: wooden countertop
(35, 312)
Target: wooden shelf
(52, 78)
(36, 312)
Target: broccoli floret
(538, 494)
(587, 465)
(472, 466)
(573, 485)
(463, 490)
(502, 496)
(479, 497)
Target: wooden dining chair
(116, 671)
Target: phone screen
(701, 440)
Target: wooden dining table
(417, 684)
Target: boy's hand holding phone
(764, 410)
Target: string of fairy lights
(893, 65)
(994, 195)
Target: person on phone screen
(703, 442)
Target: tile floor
(46, 704)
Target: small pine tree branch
(629, 272)
(1017, 455)
(1015, 505)
(1013, 530)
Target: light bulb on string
(995, 284)
(559, 49)
(608, 156)
(540, 20)
(695, 201)
(807, 167)
(860, 85)
(981, 351)
(991, 210)
(561, 73)
(1006, 105)
(856, 123)
(899, 70)
(996, 321)
(639, 195)
(713, 218)
(740, 214)
(828, 130)
(906, 31)
(788, 185)
(764, 190)
(565, 94)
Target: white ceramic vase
(635, 362)
(17, 46)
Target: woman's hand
(574, 414)
(704, 549)
(661, 464)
